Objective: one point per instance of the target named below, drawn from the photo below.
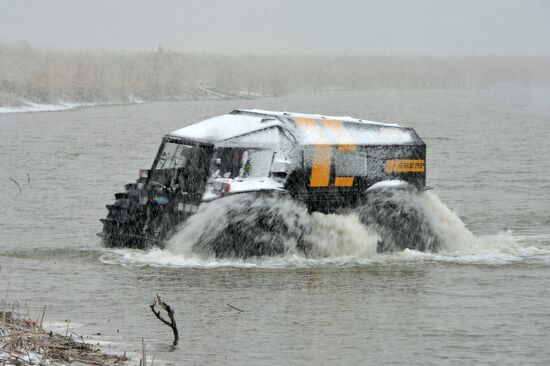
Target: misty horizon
(49, 76)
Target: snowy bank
(38, 107)
(25, 342)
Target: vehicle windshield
(174, 156)
(181, 167)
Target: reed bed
(29, 74)
(24, 341)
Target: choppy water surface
(482, 299)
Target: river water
(484, 300)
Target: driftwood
(236, 308)
(17, 184)
(172, 322)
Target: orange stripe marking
(343, 181)
(320, 169)
(322, 154)
(342, 135)
(404, 166)
(338, 128)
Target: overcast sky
(419, 27)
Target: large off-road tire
(251, 225)
(397, 215)
(124, 225)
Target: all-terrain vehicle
(326, 163)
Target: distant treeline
(49, 76)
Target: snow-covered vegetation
(40, 76)
(26, 342)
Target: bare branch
(168, 309)
(233, 307)
(17, 184)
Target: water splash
(246, 225)
(447, 226)
(335, 235)
(400, 217)
(277, 232)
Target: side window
(350, 163)
(241, 162)
(257, 163)
(230, 162)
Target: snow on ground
(38, 107)
(29, 357)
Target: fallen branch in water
(170, 312)
(233, 307)
(17, 184)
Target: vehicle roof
(307, 129)
(293, 115)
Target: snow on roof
(313, 116)
(342, 133)
(309, 129)
(225, 127)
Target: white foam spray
(449, 228)
(453, 234)
(325, 235)
(335, 239)
(341, 235)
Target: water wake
(395, 224)
(244, 226)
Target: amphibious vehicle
(326, 163)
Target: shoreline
(215, 95)
(27, 106)
(24, 341)
(31, 107)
